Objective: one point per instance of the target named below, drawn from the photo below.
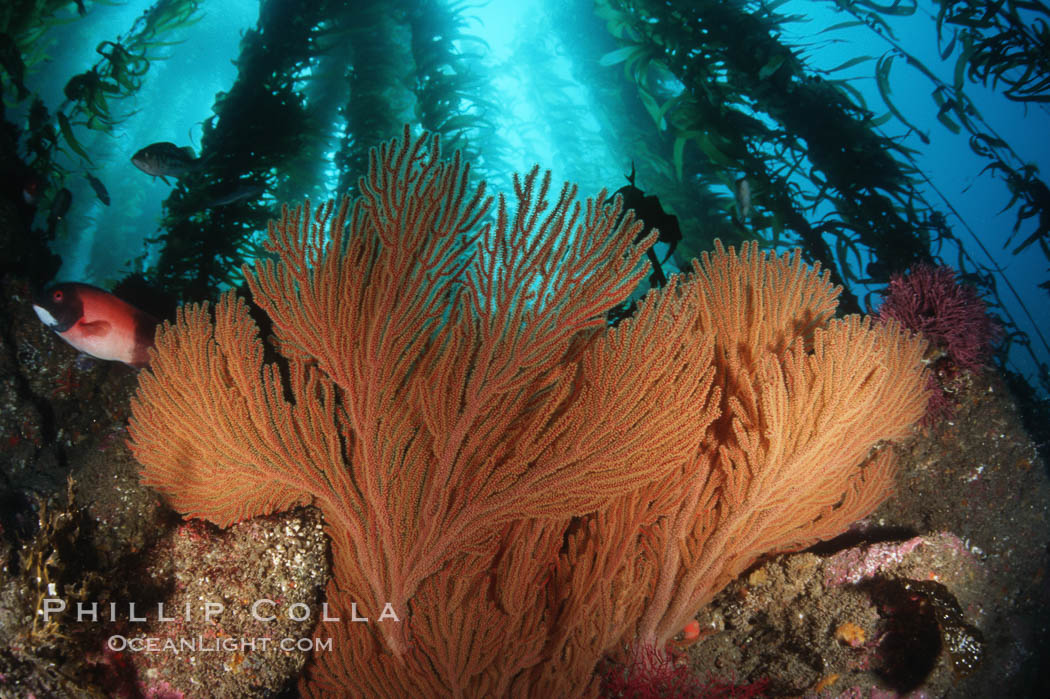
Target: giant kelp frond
(1005, 43)
(1005, 46)
(124, 62)
(204, 246)
(746, 104)
(631, 129)
(377, 101)
(452, 88)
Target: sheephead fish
(97, 323)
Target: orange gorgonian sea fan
(525, 487)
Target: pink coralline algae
(929, 300)
(853, 565)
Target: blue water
(100, 244)
(976, 201)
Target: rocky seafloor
(942, 592)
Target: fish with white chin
(97, 323)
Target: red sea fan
(929, 300)
(384, 310)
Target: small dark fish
(100, 189)
(648, 210)
(31, 185)
(11, 61)
(81, 10)
(742, 200)
(59, 209)
(245, 190)
(165, 159)
(97, 323)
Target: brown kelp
(260, 125)
(1004, 46)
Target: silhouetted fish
(165, 159)
(59, 208)
(742, 200)
(100, 189)
(652, 215)
(245, 190)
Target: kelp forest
(593, 428)
(700, 99)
